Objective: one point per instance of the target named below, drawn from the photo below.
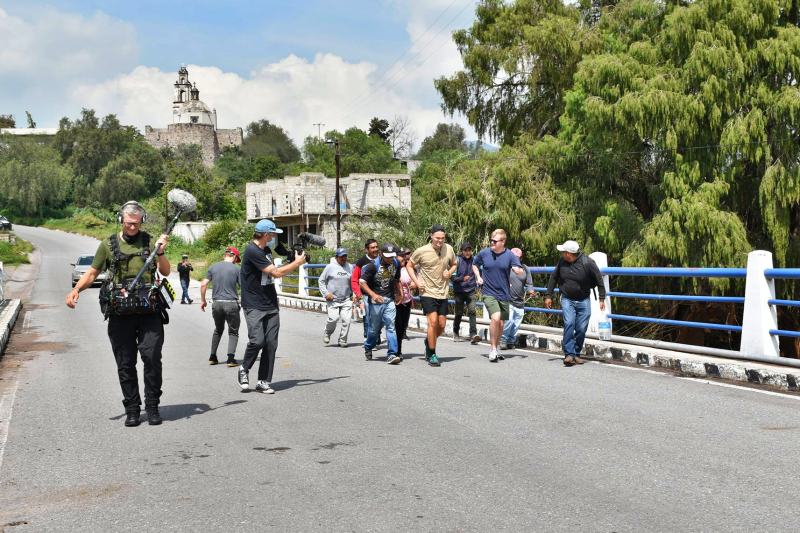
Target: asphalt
(349, 445)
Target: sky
(294, 63)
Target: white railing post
(602, 262)
(278, 281)
(759, 315)
(302, 282)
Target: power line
(388, 78)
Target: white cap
(569, 246)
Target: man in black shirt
(184, 268)
(379, 281)
(260, 304)
(576, 275)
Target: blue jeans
(576, 320)
(365, 299)
(185, 287)
(511, 326)
(382, 315)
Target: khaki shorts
(493, 305)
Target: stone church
(193, 123)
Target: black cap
(465, 245)
(388, 250)
(403, 251)
(436, 228)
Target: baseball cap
(234, 252)
(389, 250)
(517, 252)
(267, 226)
(437, 227)
(568, 246)
(340, 252)
(403, 251)
(185, 256)
(465, 245)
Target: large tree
(446, 137)
(519, 59)
(269, 140)
(360, 152)
(32, 179)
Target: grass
(16, 253)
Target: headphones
(134, 203)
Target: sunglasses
(495, 241)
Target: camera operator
(123, 254)
(260, 303)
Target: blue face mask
(273, 243)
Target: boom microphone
(312, 239)
(182, 200)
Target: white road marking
(748, 389)
(26, 322)
(6, 405)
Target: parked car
(81, 265)
(5, 223)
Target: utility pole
(319, 129)
(337, 158)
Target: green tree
(31, 123)
(265, 139)
(238, 168)
(7, 121)
(519, 60)
(379, 127)
(360, 153)
(32, 180)
(447, 137)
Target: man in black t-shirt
(260, 304)
(379, 281)
(184, 270)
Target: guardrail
(759, 329)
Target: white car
(81, 265)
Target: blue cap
(340, 252)
(267, 226)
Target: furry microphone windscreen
(182, 200)
(314, 240)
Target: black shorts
(433, 305)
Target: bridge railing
(759, 329)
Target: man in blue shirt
(495, 264)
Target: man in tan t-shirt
(436, 262)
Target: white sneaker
(263, 386)
(493, 356)
(326, 339)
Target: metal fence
(759, 330)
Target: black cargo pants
(143, 334)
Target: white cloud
(44, 54)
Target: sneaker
(476, 339)
(212, 360)
(263, 387)
(578, 360)
(231, 361)
(434, 360)
(493, 356)
(368, 355)
(457, 338)
(569, 361)
(244, 380)
(191, 301)
(326, 339)
(500, 357)
(393, 360)
(342, 344)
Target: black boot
(132, 420)
(153, 416)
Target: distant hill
(484, 145)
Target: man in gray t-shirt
(334, 285)
(520, 286)
(224, 276)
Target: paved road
(350, 445)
